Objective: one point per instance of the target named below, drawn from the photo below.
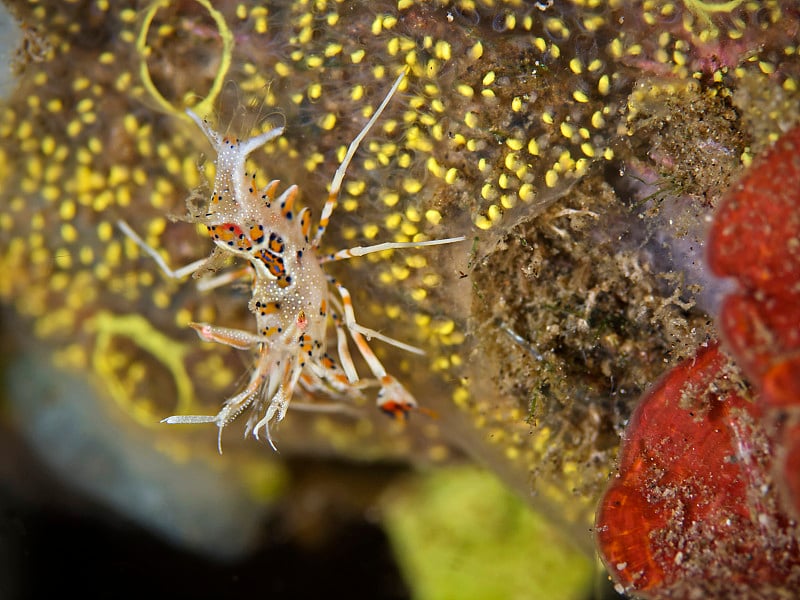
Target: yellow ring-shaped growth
(204, 106)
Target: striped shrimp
(293, 298)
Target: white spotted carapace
(293, 299)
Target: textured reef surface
(582, 147)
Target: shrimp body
(292, 298)
(289, 287)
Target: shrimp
(292, 298)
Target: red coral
(755, 238)
(699, 506)
(692, 510)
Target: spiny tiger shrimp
(293, 298)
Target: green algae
(460, 534)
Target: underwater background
(584, 149)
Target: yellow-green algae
(513, 118)
(460, 535)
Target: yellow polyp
(580, 96)
(527, 192)
(105, 231)
(51, 193)
(67, 210)
(461, 396)
(400, 273)
(476, 51)
(377, 25)
(63, 259)
(465, 90)
(113, 253)
(514, 143)
(412, 186)
(74, 127)
(130, 124)
(391, 199)
(314, 91)
(332, 50)
(427, 120)
(281, 69)
(551, 178)
(442, 50)
(481, 222)
(314, 61)
(440, 363)
(434, 167)
(370, 231)
(409, 229)
(173, 165)
(565, 162)
(393, 220)
(68, 233)
(431, 280)
(143, 279)
(128, 15)
(416, 261)
(55, 105)
(123, 81)
(433, 216)
(161, 299)
(417, 102)
(413, 215)
(527, 22)
(419, 294)
(508, 201)
(328, 122)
